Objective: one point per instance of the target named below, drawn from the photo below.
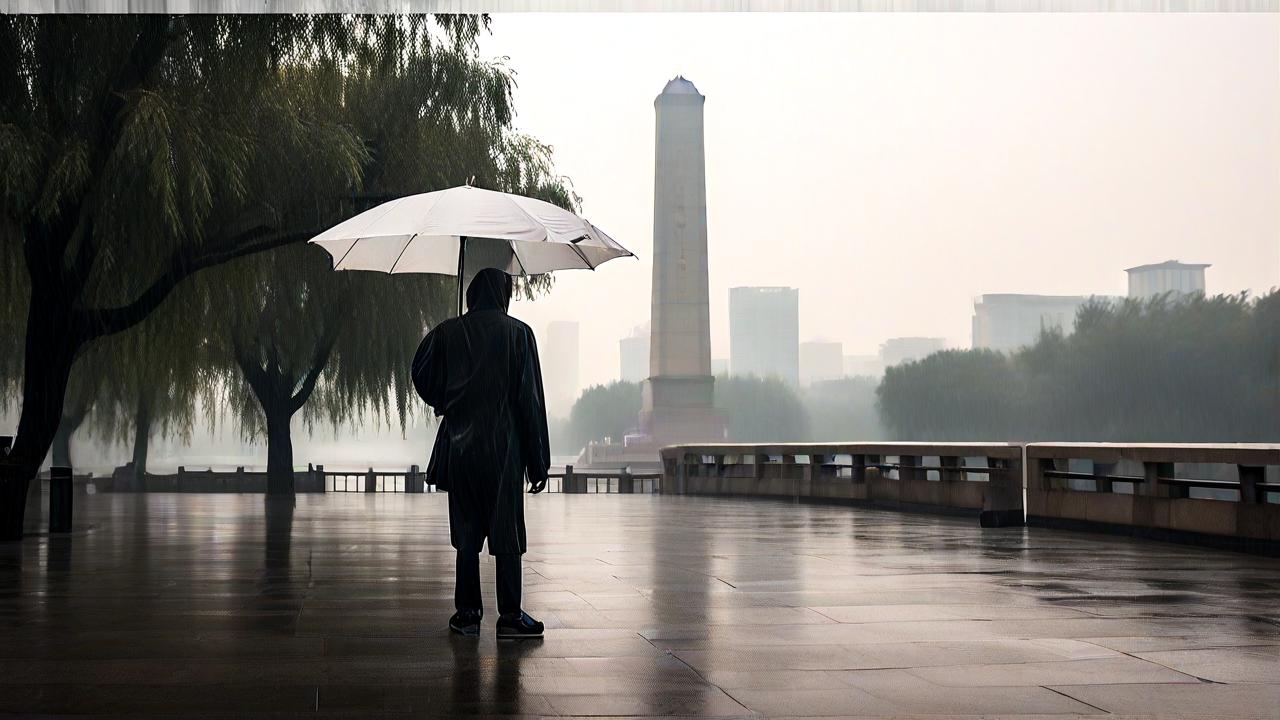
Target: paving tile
(915, 695)
(1199, 700)
(1122, 670)
(838, 702)
(707, 702)
(1226, 665)
(205, 606)
(1185, 642)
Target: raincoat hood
(490, 289)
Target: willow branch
(105, 321)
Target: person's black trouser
(466, 594)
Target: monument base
(679, 409)
(674, 409)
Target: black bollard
(59, 499)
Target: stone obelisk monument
(678, 399)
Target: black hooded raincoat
(480, 372)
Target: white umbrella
(435, 232)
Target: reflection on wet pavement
(654, 606)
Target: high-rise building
(764, 332)
(1006, 321)
(895, 351)
(1173, 277)
(863, 366)
(821, 361)
(633, 356)
(560, 367)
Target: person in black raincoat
(480, 373)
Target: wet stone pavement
(209, 605)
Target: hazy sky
(895, 166)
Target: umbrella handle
(462, 254)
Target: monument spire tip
(679, 85)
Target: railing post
(569, 484)
(807, 474)
(414, 484)
(1036, 469)
(1002, 500)
(320, 483)
(858, 468)
(1250, 477)
(1151, 472)
(626, 484)
(59, 499)
(907, 465)
(1101, 481)
(947, 474)
(370, 482)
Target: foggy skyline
(894, 167)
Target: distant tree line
(1189, 370)
(757, 410)
(1195, 369)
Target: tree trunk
(51, 346)
(141, 436)
(72, 419)
(61, 451)
(279, 450)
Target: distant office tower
(764, 332)
(898, 350)
(678, 398)
(560, 367)
(633, 354)
(821, 361)
(1173, 277)
(863, 366)
(1007, 321)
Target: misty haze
(768, 363)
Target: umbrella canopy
(433, 232)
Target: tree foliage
(604, 411)
(138, 150)
(843, 410)
(299, 335)
(761, 409)
(1193, 370)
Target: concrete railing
(586, 480)
(1214, 495)
(982, 479)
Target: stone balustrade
(980, 479)
(1221, 495)
(1217, 495)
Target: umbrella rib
(519, 262)
(537, 222)
(582, 255)
(406, 247)
(345, 254)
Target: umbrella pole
(462, 255)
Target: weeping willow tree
(154, 378)
(297, 336)
(139, 150)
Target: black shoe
(518, 627)
(466, 622)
